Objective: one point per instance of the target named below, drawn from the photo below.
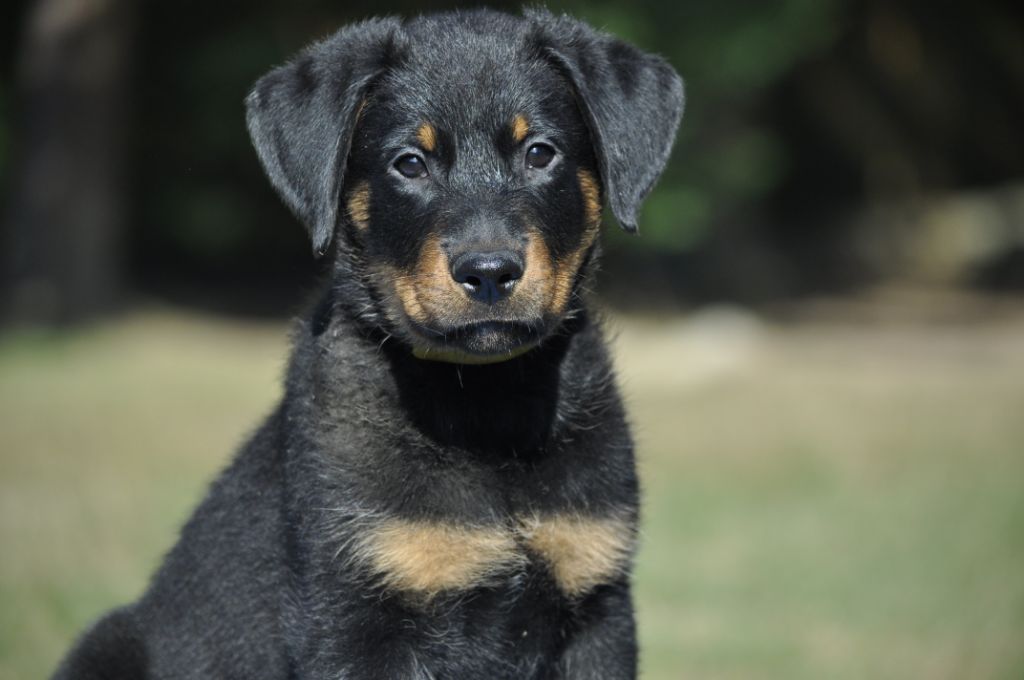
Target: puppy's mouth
(478, 342)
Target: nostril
(487, 277)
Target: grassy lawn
(823, 500)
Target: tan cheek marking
(359, 205)
(520, 128)
(427, 137)
(591, 197)
(425, 558)
(567, 268)
(565, 277)
(405, 288)
(581, 552)
(428, 292)
(536, 281)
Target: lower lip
(487, 341)
(451, 357)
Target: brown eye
(411, 166)
(539, 156)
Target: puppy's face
(459, 162)
(473, 193)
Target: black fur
(632, 100)
(267, 581)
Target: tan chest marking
(427, 558)
(582, 552)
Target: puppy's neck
(505, 408)
(512, 408)
(516, 408)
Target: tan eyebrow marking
(426, 134)
(520, 128)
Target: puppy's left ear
(632, 100)
(301, 117)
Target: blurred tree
(915, 103)
(64, 215)
(802, 115)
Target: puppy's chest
(425, 559)
(568, 515)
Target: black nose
(488, 277)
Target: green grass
(822, 501)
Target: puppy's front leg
(603, 645)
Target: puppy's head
(460, 162)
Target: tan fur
(427, 137)
(566, 268)
(565, 275)
(427, 558)
(423, 559)
(591, 196)
(582, 552)
(520, 128)
(546, 281)
(429, 292)
(536, 281)
(359, 205)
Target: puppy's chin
(480, 342)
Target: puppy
(447, 488)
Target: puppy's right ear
(301, 117)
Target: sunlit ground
(823, 499)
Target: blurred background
(820, 330)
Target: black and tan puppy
(447, 489)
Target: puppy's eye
(539, 156)
(411, 166)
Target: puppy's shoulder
(112, 648)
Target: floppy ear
(632, 102)
(301, 117)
